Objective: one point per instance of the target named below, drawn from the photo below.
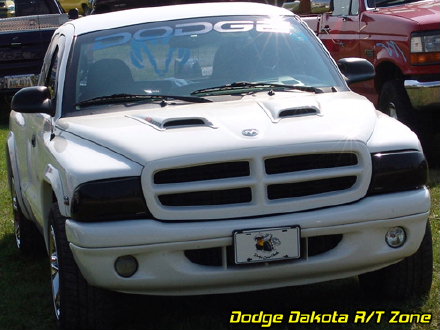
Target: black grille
(320, 244)
(214, 197)
(203, 172)
(308, 162)
(300, 189)
(205, 257)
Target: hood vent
(300, 106)
(171, 123)
(162, 124)
(295, 112)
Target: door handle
(33, 140)
(15, 42)
(326, 29)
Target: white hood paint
(348, 117)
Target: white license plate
(20, 81)
(265, 245)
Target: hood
(422, 12)
(148, 132)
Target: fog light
(126, 266)
(395, 237)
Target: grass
(25, 302)
(24, 286)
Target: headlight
(110, 199)
(425, 48)
(398, 171)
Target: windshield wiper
(237, 86)
(115, 98)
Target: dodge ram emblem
(250, 132)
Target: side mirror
(34, 99)
(73, 13)
(356, 69)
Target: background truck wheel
(409, 278)
(77, 305)
(27, 237)
(394, 101)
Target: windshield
(178, 58)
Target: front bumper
(423, 94)
(165, 269)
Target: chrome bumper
(423, 94)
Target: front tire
(27, 237)
(77, 305)
(409, 278)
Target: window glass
(17, 8)
(305, 7)
(7, 8)
(52, 75)
(354, 7)
(341, 7)
(181, 56)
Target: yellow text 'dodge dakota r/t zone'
(268, 319)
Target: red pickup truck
(402, 39)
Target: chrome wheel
(54, 273)
(77, 305)
(17, 231)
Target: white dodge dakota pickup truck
(211, 148)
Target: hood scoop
(295, 112)
(163, 124)
(291, 107)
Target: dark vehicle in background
(26, 28)
(106, 6)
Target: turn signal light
(425, 58)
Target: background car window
(7, 8)
(354, 10)
(17, 8)
(306, 7)
(341, 7)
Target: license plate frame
(267, 244)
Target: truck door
(36, 134)
(339, 30)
